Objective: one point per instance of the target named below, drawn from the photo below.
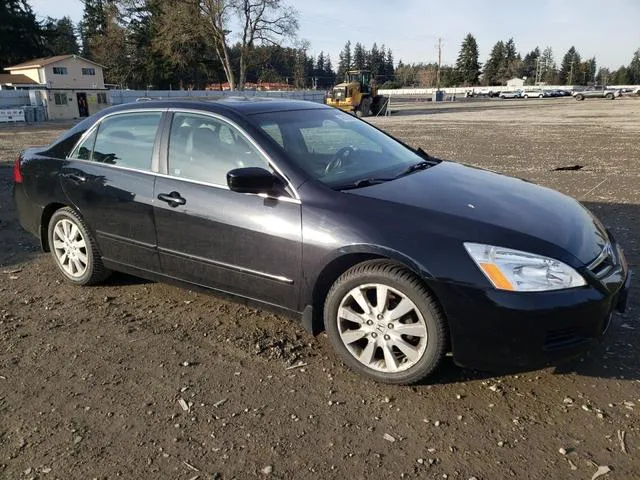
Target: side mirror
(253, 180)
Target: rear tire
(74, 250)
(399, 345)
(379, 105)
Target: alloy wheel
(70, 248)
(382, 328)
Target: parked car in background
(597, 91)
(514, 94)
(532, 93)
(401, 257)
(482, 92)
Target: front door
(83, 107)
(242, 244)
(109, 179)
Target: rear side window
(125, 140)
(85, 148)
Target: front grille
(604, 263)
(561, 338)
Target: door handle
(173, 199)
(74, 177)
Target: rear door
(109, 178)
(244, 244)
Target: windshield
(336, 148)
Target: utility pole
(439, 63)
(573, 59)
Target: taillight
(17, 174)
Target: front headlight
(520, 271)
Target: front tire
(609, 96)
(384, 324)
(579, 97)
(74, 249)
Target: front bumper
(493, 329)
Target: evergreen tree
(548, 70)
(359, 57)
(389, 68)
(93, 24)
(59, 37)
(345, 60)
(105, 41)
(329, 74)
(494, 63)
(20, 36)
(319, 66)
(375, 61)
(148, 65)
(467, 65)
(569, 68)
(512, 63)
(591, 71)
(603, 76)
(620, 77)
(634, 68)
(531, 66)
(510, 52)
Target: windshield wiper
(415, 167)
(361, 183)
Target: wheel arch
(343, 261)
(45, 218)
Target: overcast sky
(608, 30)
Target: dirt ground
(92, 379)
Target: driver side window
(204, 148)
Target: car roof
(242, 105)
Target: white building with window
(71, 86)
(515, 82)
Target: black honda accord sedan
(399, 256)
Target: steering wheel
(336, 162)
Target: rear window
(124, 140)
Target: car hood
(479, 201)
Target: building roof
(16, 79)
(41, 62)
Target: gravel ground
(135, 379)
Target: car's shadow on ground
(17, 245)
(118, 279)
(615, 359)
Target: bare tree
(258, 22)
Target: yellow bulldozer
(357, 94)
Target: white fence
(461, 90)
(14, 98)
(11, 115)
(125, 96)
